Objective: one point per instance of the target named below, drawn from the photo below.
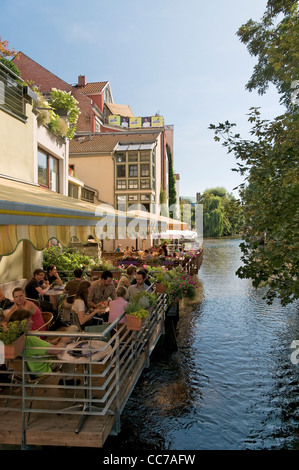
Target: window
(73, 191)
(121, 184)
(144, 170)
(133, 170)
(145, 197)
(87, 195)
(144, 157)
(48, 171)
(133, 184)
(133, 157)
(121, 171)
(120, 157)
(144, 184)
(145, 207)
(98, 125)
(121, 203)
(133, 197)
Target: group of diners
(91, 297)
(84, 298)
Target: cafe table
(54, 295)
(85, 352)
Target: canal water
(231, 383)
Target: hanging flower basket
(13, 350)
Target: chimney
(81, 80)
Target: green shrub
(12, 331)
(67, 260)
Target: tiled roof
(106, 142)
(90, 88)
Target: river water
(231, 383)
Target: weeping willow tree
(213, 215)
(222, 214)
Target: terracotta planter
(133, 323)
(160, 289)
(13, 350)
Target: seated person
(71, 288)
(101, 290)
(118, 305)
(33, 343)
(147, 255)
(140, 285)
(126, 279)
(52, 276)
(118, 249)
(20, 302)
(147, 281)
(81, 307)
(38, 286)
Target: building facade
(140, 182)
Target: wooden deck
(112, 383)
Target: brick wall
(45, 80)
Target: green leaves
(275, 43)
(12, 331)
(269, 161)
(67, 260)
(270, 253)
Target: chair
(64, 312)
(48, 320)
(76, 321)
(35, 301)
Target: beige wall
(21, 263)
(16, 145)
(58, 148)
(96, 172)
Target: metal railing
(113, 363)
(11, 93)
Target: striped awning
(29, 212)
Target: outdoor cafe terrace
(45, 410)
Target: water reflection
(230, 384)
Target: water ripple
(231, 383)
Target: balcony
(12, 93)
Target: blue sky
(179, 58)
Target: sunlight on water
(231, 383)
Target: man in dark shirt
(71, 287)
(36, 287)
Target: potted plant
(162, 281)
(136, 315)
(181, 286)
(12, 335)
(145, 299)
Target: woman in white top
(80, 306)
